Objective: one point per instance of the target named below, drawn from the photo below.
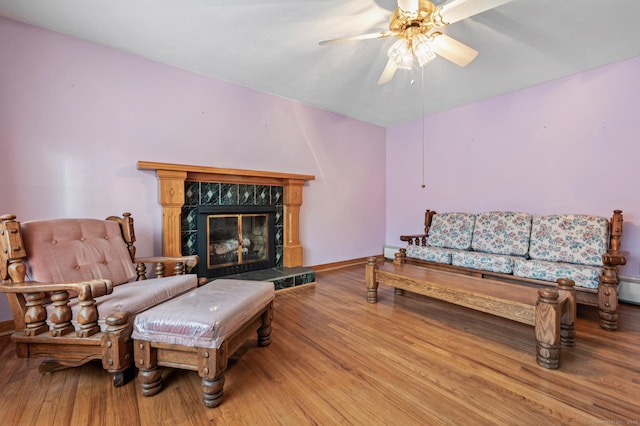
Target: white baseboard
(629, 290)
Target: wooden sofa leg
(608, 305)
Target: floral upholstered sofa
(523, 248)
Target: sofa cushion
(432, 254)
(483, 261)
(502, 233)
(571, 238)
(583, 275)
(451, 230)
(135, 297)
(62, 250)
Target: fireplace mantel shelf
(171, 180)
(207, 173)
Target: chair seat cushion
(135, 297)
(431, 254)
(204, 317)
(483, 261)
(582, 275)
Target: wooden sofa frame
(605, 297)
(63, 346)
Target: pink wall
(75, 118)
(567, 146)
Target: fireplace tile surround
(182, 188)
(218, 194)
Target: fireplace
(235, 239)
(184, 188)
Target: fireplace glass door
(237, 239)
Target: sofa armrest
(418, 239)
(615, 258)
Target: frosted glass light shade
(400, 53)
(422, 49)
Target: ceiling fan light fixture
(401, 54)
(422, 49)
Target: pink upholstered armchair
(74, 286)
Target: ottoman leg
(264, 332)
(150, 380)
(212, 391)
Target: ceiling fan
(416, 24)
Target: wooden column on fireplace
(171, 179)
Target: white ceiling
(272, 46)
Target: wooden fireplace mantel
(171, 179)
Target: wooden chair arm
(33, 318)
(86, 289)
(190, 261)
(178, 261)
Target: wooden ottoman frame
(209, 362)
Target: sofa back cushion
(451, 230)
(502, 233)
(571, 238)
(60, 250)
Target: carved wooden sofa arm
(37, 295)
(416, 240)
(420, 239)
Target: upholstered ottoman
(200, 330)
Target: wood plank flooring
(335, 359)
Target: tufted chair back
(63, 250)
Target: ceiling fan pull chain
(423, 100)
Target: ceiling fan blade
(358, 37)
(409, 6)
(388, 72)
(457, 10)
(453, 50)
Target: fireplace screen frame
(206, 213)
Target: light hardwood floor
(334, 359)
